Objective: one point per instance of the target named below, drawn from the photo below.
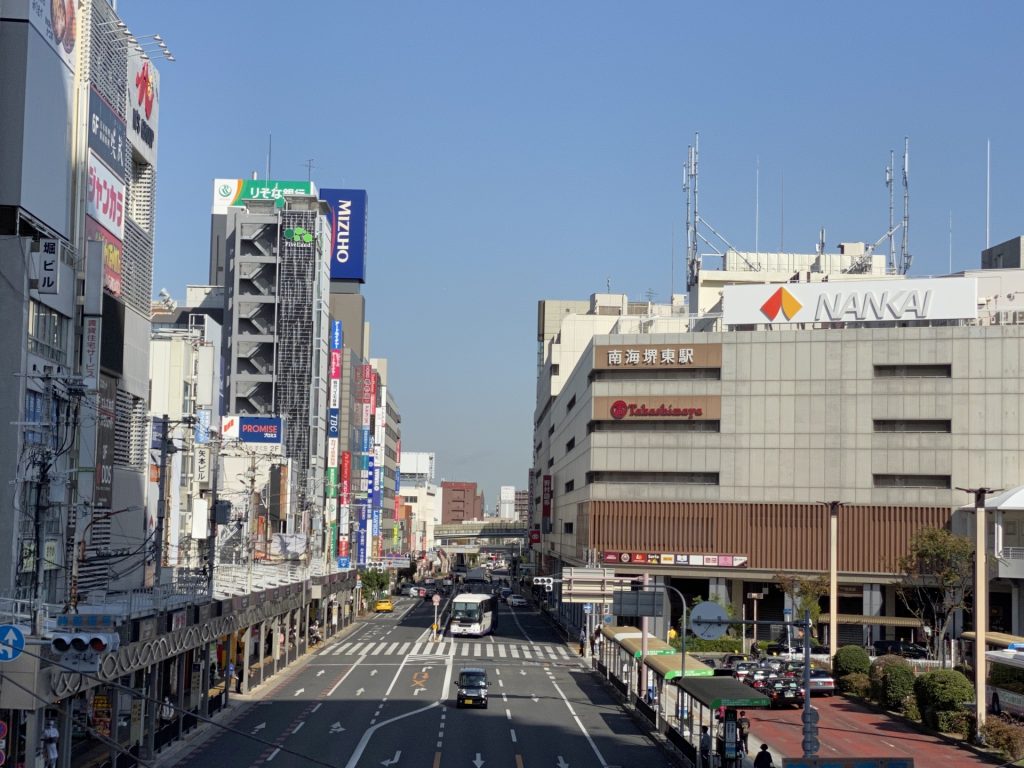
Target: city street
(383, 695)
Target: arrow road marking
(478, 762)
(393, 760)
(418, 691)
(320, 672)
(562, 763)
(522, 672)
(534, 697)
(259, 727)
(360, 692)
(337, 727)
(373, 672)
(301, 690)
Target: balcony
(1011, 563)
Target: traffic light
(544, 581)
(83, 651)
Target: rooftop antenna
(889, 186)
(951, 242)
(608, 284)
(757, 201)
(988, 185)
(821, 242)
(672, 285)
(309, 169)
(270, 150)
(905, 257)
(782, 215)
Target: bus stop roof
(715, 692)
(671, 667)
(619, 633)
(634, 646)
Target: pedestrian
(166, 710)
(50, 736)
(743, 723)
(583, 640)
(705, 747)
(764, 758)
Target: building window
(570, 445)
(923, 371)
(912, 481)
(567, 527)
(571, 404)
(35, 414)
(554, 369)
(47, 332)
(673, 478)
(551, 461)
(913, 425)
(551, 430)
(570, 485)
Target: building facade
(461, 501)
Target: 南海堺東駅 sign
(252, 429)
(654, 408)
(229, 192)
(851, 301)
(348, 209)
(623, 356)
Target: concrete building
(507, 502)
(422, 496)
(522, 506)
(702, 458)
(461, 501)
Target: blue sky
(519, 151)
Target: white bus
(474, 615)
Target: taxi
(384, 606)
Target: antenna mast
(690, 192)
(889, 186)
(905, 257)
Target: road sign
(588, 608)
(702, 617)
(436, 599)
(787, 611)
(12, 642)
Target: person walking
(764, 758)
(583, 640)
(743, 724)
(705, 747)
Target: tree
(375, 583)
(805, 593)
(937, 577)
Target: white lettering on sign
(651, 356)
(342, 229)
(869, 305)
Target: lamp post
(756, 597)
(833, 577)
(980, 604)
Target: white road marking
(273, 754)
(513, 732)
(318, 705)
(575, 717)
(298, 727)
(345, 676)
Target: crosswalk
(460, 648)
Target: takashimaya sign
(622, 356)
(854, 301)
(654, 408)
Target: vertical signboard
(143, 106)
(545, 509)
(346, 477)
(112, 249)
(347, 214)
(333, 412)
(105, 197)
(107, 135)
(103, 487)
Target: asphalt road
(383, 695)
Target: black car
(472, 688)
(900, 648)
(784, 692)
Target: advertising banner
(348, 212)
(143, 106)
(202, 431)
(346, 477)
(258, 429)
(103, 482)
(331, 482)
(851, 301)
(112, 250)
(337, 338)
(363, 533)
(91, 351)
(108, 136)
(332, 452)
(335, 369)
(334, 393)
(656, 408)
(545, 501)
(344, 524)
(370, 480)
(105, 199)
(229, 192)
(333, 425)
(58, 23)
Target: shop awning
(878, 621)
(655, 647)
(671, 667)
(1002, 639)
(715, 692)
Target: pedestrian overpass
(451, 533)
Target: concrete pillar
(1015, 607)
(891, 601)
(718, 590)
(872, 607)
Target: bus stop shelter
(699, 698)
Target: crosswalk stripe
(404, 649)
(445, 649)
(501, 651)
(376, 651)
(391, 649)
(515, 652)
(341, 648)
(418, 648)
(550, 650)
(490, 651)
(354, 648)
(476, 648)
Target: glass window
(47, 332)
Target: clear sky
(519, 151)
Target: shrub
(1004, 735)
(877, 674)
(897, 686)
(942, 690)
(959, 722)
(855, 683)
(720, 645)
(851, 659)
(910, 709)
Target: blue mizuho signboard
(348, 208)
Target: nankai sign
(851, 301)
(650, 408)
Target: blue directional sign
(12, 642)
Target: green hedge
(942, 691)
(721, 645)
(851, 659)
(877, 672)
(1004, 735)
(961, 723)
(897, 687)
(855, 683)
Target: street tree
(937, 577)
(805, 593)
(375, 583)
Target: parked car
(732, 659)
(797, 646)
(471, 688)
(759, 678)
(384, 606)
(505, 592)
(784, 692)
(822, 682)
(412, 590)
(517, 601)
(900, 648)
(744, 668)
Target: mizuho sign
(856, 301)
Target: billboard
(143, 106)
(112, 253)
(348, 211)
(346, 477)
(851, 301)
(229, 192)
(252, 429)
(108, 137)
(58, 23)
(103, 482)
(337, 337)
(105, 199)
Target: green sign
(331, 482)
(298, 235)
(228, 192)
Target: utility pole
(161, 501)
(42, 506)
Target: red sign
(343, 545)
(112, 249)
(535, 537)
(335, 364)
(346, 477)
(545, 509)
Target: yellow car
(384, 606)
